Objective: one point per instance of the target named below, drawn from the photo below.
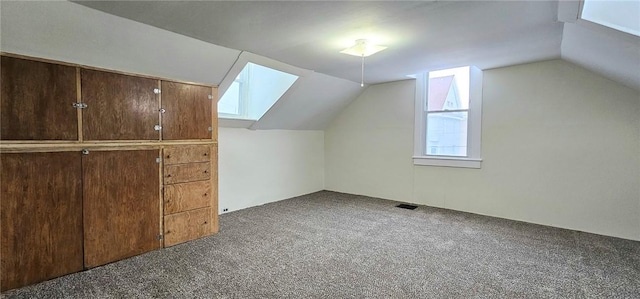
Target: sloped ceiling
(309, 34)
(136, 36)
(603, 50)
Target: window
(448, 115)
(619, 15)
(253, 92)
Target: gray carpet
(333, 245)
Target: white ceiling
(420, 34)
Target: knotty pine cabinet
(85, 154)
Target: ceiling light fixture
(363, 48)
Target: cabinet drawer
(185, 226)
(186, 196)
(187, 154)
(182, 173)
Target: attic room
(189, 149)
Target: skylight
(253, 92)
(619, 15)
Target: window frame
(474, 125)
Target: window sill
(447, 162)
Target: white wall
(560, 147)
(257, 167)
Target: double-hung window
(448, 115)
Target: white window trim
(474, 131)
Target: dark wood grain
(185, 226)
(36, 101)
(121, 215)
(120, 107)
(187, 154)
(41, 217)
(188, 111)
(191, 172)
(186, 196)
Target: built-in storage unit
(99, 165)
(188, 186)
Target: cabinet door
(187, 111)
(119, 107)
(41, 199)
(37, 101)
(121, 204)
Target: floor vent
(408, 207)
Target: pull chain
(362, 82)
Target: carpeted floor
(333, 245)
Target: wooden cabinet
(41, 217)
(188, 196)
(188, 111)
(119, 107)
(37, 100)
(82, 186)
(121, 204)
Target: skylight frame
(230, 120)
(607, 26)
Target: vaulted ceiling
(209, 36)
(309, 34)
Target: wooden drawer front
(185, 226)
(187, 196)
(182, 173)
(187, 154)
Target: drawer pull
(205, 194)
(205, 222)
(168, 156)
(205, 154)
(206, 171)
(168, 175)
